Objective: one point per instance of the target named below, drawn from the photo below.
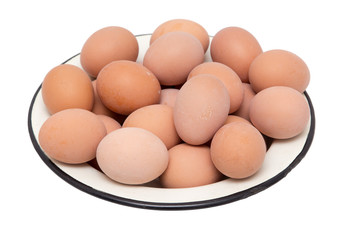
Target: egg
(124, 86)
(189, 166)
(244, 108)
(183, 25)
(71, 135)
(279, 112)
(67, 86)
(132, 156)
(109, 123)
(157, 119)
(238, 150)
(172, 56)
(279, 68)
(236, 48)
(168, 96)
(106, 45)
(201, 108)
(230, 79)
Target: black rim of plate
(171, 206)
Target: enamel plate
(281, 157)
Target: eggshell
(233, 118)
(238, 150)
(201, 108)
(230, 79)
(279, 112)
(106, 45)
(279, 68)
(132, 156)
(124, 86)
(189, 166)
(244, 108)
(236, 48)
(109, 123)
(157, 119)
(168, 96)
(67, 86)
(172, 56)
(182, 25)
(71, 135)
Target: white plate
(281, 158)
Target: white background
(36, 204)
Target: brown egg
(182, 25)
(157, 119)
(168, 96)
(236, 48)
(172, 56)
(67, 86)
(189, 166)
(109, 123)
(238, 150)
(72, 135)
(124, 86)
(201, 108)
(230, 79)
(106, 45)
(279, 112)
(244, 107)
(233, 118)
(132, 156)
(279, 68)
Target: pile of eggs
(173, 118)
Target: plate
(281, 157)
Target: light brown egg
(182, 25)
(168, 96)
(230, 79)
(132, 156)
(238, 150)
(233, 118)
(201, 108)
(279, 68)
(106, 45)
(109, 123)
(244, 107)
(279, 112)
(189, 166)
(236, 48)
(67, 86)
(124, 86)
(72, 135)
(172, 56)
(157, 119)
